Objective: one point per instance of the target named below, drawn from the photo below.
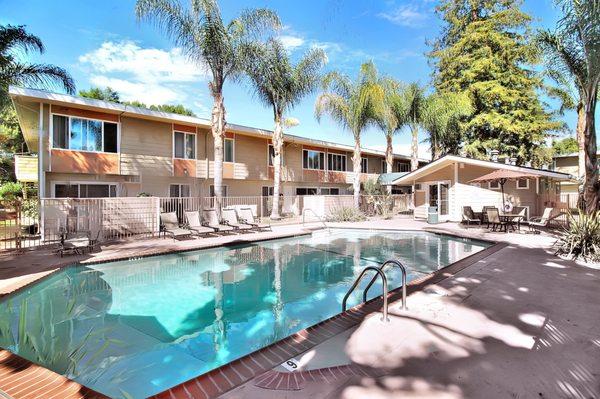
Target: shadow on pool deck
(520, 323)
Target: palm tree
(206, 39)
(281, 85)
(441, 117)
(353, 104)
(393, 117)
(14, 40)
(578, 56)
(414, 97)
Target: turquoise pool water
(135, 328)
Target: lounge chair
(230, 218)
(493, 216)
(193, 223)
(169, 224)
(246, 216)
(75, 243)
(539, 222)
(212, 220)
(468, 216)
(485, 216)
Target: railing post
(156, 227)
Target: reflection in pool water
(135, 328)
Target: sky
(102, 44)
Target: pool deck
(519, 322)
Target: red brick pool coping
(21, 378)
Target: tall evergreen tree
(483, 51)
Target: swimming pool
(135, 328)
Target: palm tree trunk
(218, 132)
(277, 145)
(591, 185)
(389, 157)
(414, 158)
(581, 139)
(356, 166)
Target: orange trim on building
(184, 167)
(314, 175)
(84, 113)
(184, 128)
(340, 152)
(229, 135)
(310, 147)
(228, 169)
(69, 161)
(336, 177)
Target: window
(228, 150)
(267, 191)
(494, 185)
(336, 162)
(383, 166)
(329, 191)
(184, 145)
(313, 160)
(80, 134)
(81, 190)
(212, 191)
(179, 190)
(306, 191)
(271, 154)
(523, 184)
(402, 167)
(364, 165)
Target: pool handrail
(396, 263)
(381, 274)
(314, 213)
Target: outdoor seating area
(510, 220)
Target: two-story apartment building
(568, 163)
(91, 148)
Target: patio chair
(169, 224)
(212, 220)
(245, 215)
(538, 222)
(74, 243)
(522, 211)
(468, 216)
(484, 214)
(194, 223)
(493, 216)
(230, 218)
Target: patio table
(511, 219)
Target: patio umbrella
(502, 176)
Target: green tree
(566, 146)
(106, 94)
(281, 85)
(173, 108)
(414, 97)
(355, 105)
(15, 42)
(208, 40)
(484, 51)
(392, 117)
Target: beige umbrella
(502, 176)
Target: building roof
(573, 154)
(450, 159)
(21, 95)
(387, 179)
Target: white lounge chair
(194, 223)
(246, 216)
(212, 220)
(536, 223)
(169, 224)
(230, 218)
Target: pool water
(135, 328)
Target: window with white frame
(402, 167)
(336, 162)
(229, 150)
(306, 191)
(212, 191)
(271, 155)
(267, 191)
(364, 165)
(523, 184)
(184, 145)
(85, 190)
(179, 190)
(72, 133)
(313, 160)
(329, 191)
(494, 185)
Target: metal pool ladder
(314, 213)
(379, 271)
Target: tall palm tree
(393, 117)
(414, 96)
(281, 85)
(206, 39)
(441, 117)
(13, 71)
(353, 104)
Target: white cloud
(291, 42)
(406, 15)
(145, 92)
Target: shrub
(582, 236)
(30, 208)
(11, 191)
(345, 214)
(378, 198)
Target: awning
(387, 179)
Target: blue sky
(102, 44)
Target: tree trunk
(414, 156)
(389, 157)
(356, 167)
(277, 146)
(581, 140)
(591, 185)
(218, 132)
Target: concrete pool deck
(520, 322)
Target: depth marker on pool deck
(291, 365)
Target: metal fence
(32, 224)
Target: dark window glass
(110, 137)
(190, 146)
(364, 165)
(271, 154)
(60, 127)
(179, 145)
(212, 191)
(94, 190)
(228, 151)
(66, 191)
